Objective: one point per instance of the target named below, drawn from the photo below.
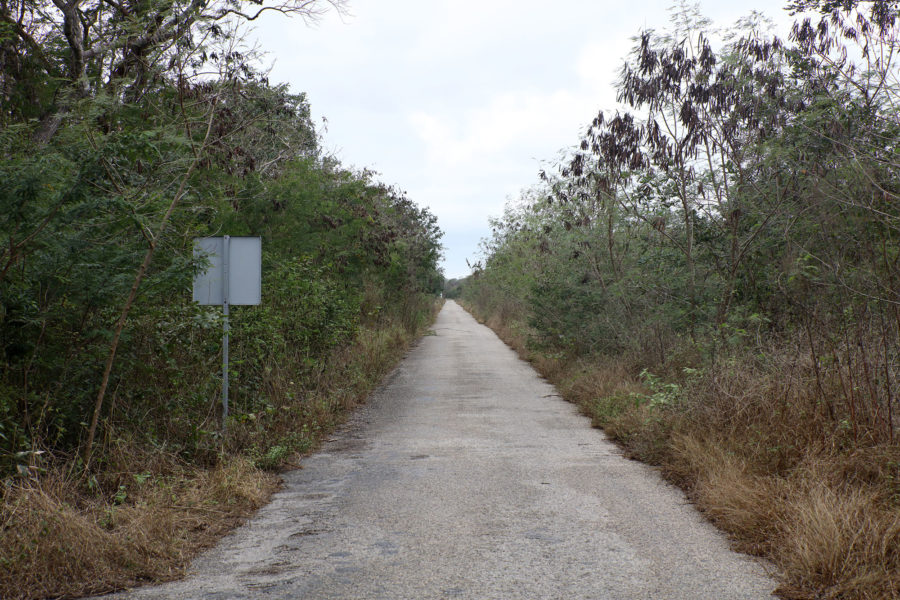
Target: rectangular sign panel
(244, 272)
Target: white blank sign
(244, 272)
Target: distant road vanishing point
(466, 476)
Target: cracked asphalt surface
(466, 476)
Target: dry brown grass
(768, 451)
(830, 538)
(729, 489)
(57, 540)
(838, 541)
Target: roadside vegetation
(713, 275)
(126, 130)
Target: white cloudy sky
(461, 103)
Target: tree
(57, 53)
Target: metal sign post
(234, 277)
(226, 250)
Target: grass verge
(148, 512)
(750, 442)
(60, 540)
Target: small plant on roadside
(663, 394)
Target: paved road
(466, 476)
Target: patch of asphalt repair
(466, 476)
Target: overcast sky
(460, 104)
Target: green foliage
(663, 393)
(750, 199)
(147, 161)
(606, 409)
